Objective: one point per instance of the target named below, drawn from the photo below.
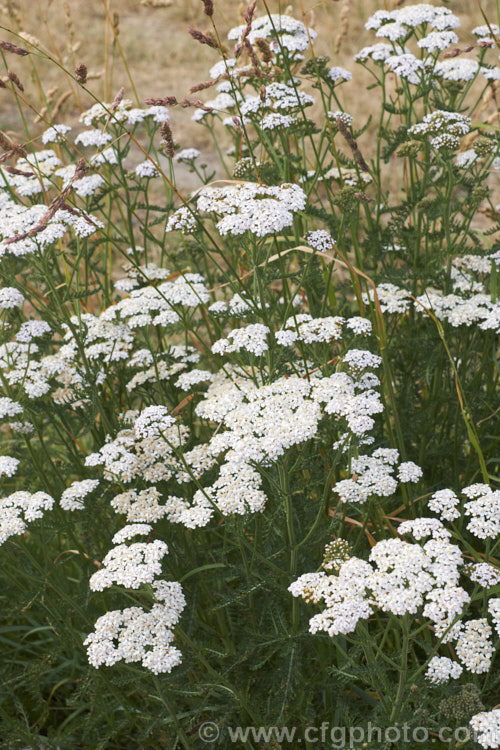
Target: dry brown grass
(161, 56)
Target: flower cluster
(19, 508)
(442, 128)
(320, 240)
(470, 308)
(278, 97)
(482, 508)
(246, 207)
(486, 725)
(72, 498)
(373, 475)
(438, 18)
(123, 112)
(441, 669)
(474, 647)
(400, 578)
(281, 31)
(133, 635)
(130, 566)
(213, 382)
(252, 338)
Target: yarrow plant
(248, 471)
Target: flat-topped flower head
(391, 298)
(413, 16)
(130, 565)
(32, 329)
(146, 169)
(157, 113)
(484, 574)
(19, 508)
(152, 421)
(444, 503)
(195, 377)
(372, 475)
(441, 669)
(276, 120)
(379, 52)
(361, 359)
(9, 408)
(474, 647)
(457, 69)
(486, 30)
(122, 112)
(483, 511)
(72, 498)
(399, 578)
(139, 506)
(223, 102)
(486, 726)
(420, 528)
(277, 97)
(359, 326)
(8, 466)
(392, 31)
(443, 129)
(134, 635)
(338, 74)
(409, 472)
(129, 457)
(249, 207)
(344, 596)
(406, 66)
(304, 327)
(130, 531)
(93, 137)
(87, 186)
(438, 40)
(282, 32)
(320, 240)
(10, 298)
(55, 134)
(251, 338)
(223, 67)
(187, 155)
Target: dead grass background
(151, 35)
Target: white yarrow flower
(441, 669)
